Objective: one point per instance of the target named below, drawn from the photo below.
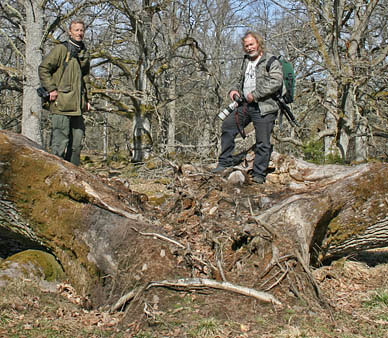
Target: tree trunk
(33, 56)
(49, 204)
(343, 53)
(171, 108)
(101, 231)
(142, 139)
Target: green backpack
(285, 96)
(289, 78)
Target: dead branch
(125, 299)
(219, 261)
(275, 262)
(277, 273)
(162, 237)
(98, 200)
(209, 283)
(279, 279)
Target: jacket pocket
(66, 101)
(268, 106)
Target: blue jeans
(67, 135)
(264, 125)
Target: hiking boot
(258, 179)
(219, 169)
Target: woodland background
(161, 71)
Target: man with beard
(257, 88)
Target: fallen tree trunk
(336, 210)
(49, 204)
(256, 236)
(328, 210)
(304, 215)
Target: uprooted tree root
(286, 273)
(223, 245)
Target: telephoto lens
(229, 109)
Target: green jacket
(267, 84)
(71, 82)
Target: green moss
(147, 109)
(158, 199)
(313, 151)
(38, 261)
(54, 207)
(362, 206)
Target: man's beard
(252, 55)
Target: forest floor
(358, 295)
(355, 288)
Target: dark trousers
(67, 137)
(232, 125)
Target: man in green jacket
(64, 73)
(256, 88)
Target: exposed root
(120, 304)
(209, 283)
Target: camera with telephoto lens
(229, 109)
(43, 93)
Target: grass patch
(378, 299)
(206, 328)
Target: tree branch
(210, 283)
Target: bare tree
(11, 65)
(33, 57)
(171, 64)
(145, 55)
(350, 55)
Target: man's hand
(53, 95)
(250, 98)
(233, 93)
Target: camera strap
(244, 107)
(240, 128)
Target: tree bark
(142, 139)
(49, 204)
(33, 56)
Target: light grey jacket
(267, 83)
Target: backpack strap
(267, 67)
(270, 62)
(67, 59)
(68, 54)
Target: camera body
(43, 93)
(229, 109)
